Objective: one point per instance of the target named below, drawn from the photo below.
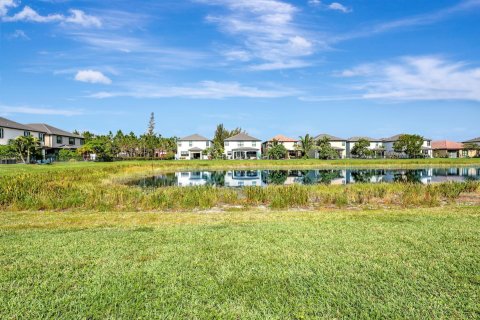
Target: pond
(244, 178)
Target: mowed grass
(413, 263)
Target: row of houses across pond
(244, 146)
(51, 139)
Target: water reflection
(243, 178)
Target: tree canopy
(325, 149)
(410, 144)
(361, 149)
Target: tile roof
(42, 127)
(194, 137)
(282, 138)
(6, 123)
(330, 137)
(242, 137)
(446, 145)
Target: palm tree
(306, 145)
(25, 146)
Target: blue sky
(364, 67)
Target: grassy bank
(99, 187)
(169, 166)
(416, 264)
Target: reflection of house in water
(196, 178)
(389, 176)
(324, 177)
(243, 178)
(455, 174)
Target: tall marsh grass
(94, 189)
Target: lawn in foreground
(417, 263)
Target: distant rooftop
(194, 137)
(446, 145)
(474, 140)
(242, 137)
(356, 139)
(42, 127)
(282, 138)
(6, 123)
(330, 137)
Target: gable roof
(446, 145)
(6, 123)
(397, 136)
(242, 137)
(330, 137)
(477, 140)
(43, 127)
(194, 137)
(282, 138)
(356, 139)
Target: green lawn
(416, 263)
(227, 164)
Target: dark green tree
(410, 144)
(325, 149)
(361, 149)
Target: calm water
(243, 178)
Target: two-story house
(10, 130)
(289, 143)
(388, 144)
(193, 147)
(242, 146)
(339, 144)
(376, 146)
(56, 139)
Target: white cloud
(76, 17)
(339, 7)
(417, 78)
(79, 17)
(38, 111)
(264, 29)
(315, 3)
(92, 76)
(28, 14)
(19, 34)
(5, 5)
(203, 90)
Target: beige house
(473, 153)
(57, 139)
(289, 143)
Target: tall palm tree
(25, 146)
(306, 145)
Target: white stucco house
(193, 147)
(339, 144)
(242, 146)
(376, 145)
(389, 150)
(243, 178)
(290, 144)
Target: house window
(82, 142)
(179, 144)
(226, 143)
(343, 143)
(190, 143)
(41, 136)
(254, 144)
(184, 153)
(71, 141)
(2, 135)
(240, 144)
(208, 144)
(59, 139)
(428, 143)
(26, 133)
